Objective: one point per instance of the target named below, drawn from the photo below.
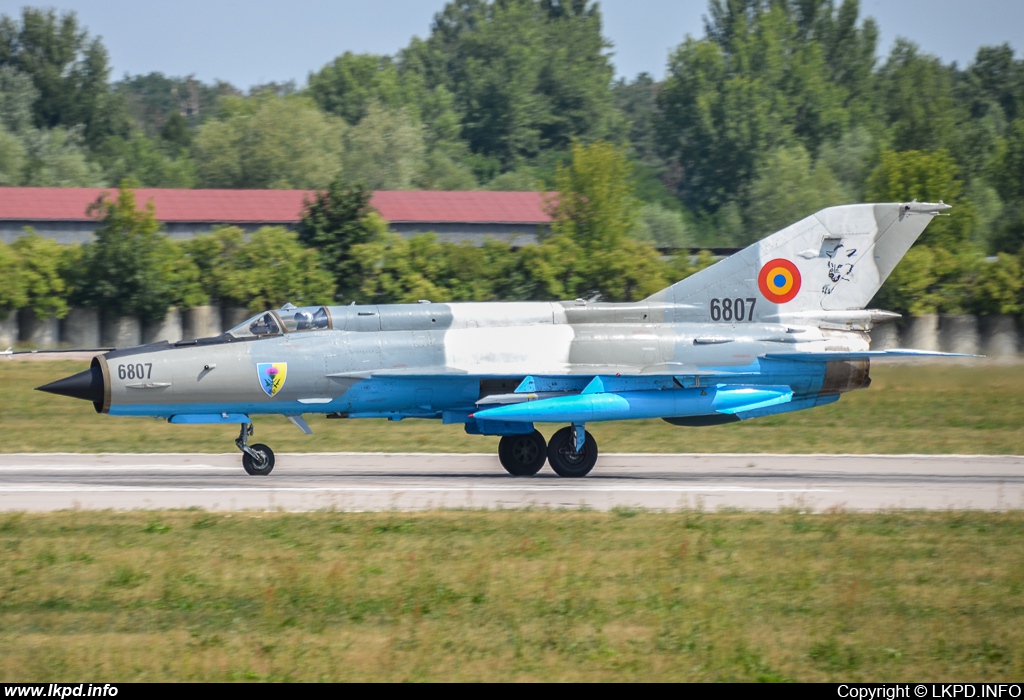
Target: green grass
(516, 595)
(932, 408)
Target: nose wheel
(257, 459)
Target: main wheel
(523, 455)
(258, 467)
(564, 458)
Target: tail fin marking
(835, 260)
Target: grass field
(933, 408)
(514, 595)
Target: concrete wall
(121, 331)
(232, 316)
(81, 328)
(202, 322)
(8, 330)
(885, 336)
(1000, 336)
(169, 328)
(959, 333)
(993, 336)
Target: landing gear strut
(258, 459)
(523, 455)
(572, 452)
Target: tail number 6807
(733, 309)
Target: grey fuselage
(435, 360)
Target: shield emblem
(272, 376)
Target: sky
(257, 41)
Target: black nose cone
(86, 385)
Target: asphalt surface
(352, 482)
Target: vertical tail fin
(833, 260)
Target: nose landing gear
(258, 459)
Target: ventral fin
(596, 386)
(300, 423)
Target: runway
(359, 482)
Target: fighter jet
(780, 326)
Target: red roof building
(61, 213)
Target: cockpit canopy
(285, 320)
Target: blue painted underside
(453, 398)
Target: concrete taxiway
(346, 481)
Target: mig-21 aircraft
(780, 326)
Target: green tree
(441, 171)
(788, 188)
(1008, 167)
(526, 75)
(13, 294)
(54, 157)
(215, 255)
(269, 142)
(132, 268)
(12, 159)
(68, 69)
(57, 158)
(349, 84)
(916, 92)
(716, 123)
(999, 286)
(909, 288)
(851, 159)
(269, 270)
(596, 215)
(637, 101)
(154, 99)
(393, 269)
(17, 97)
(385, 150)
(524, 179)
(596, 204)
(996, 81)
(175, 132)
(337, 219)
(930, 280)
(143, 161)
(39, 268)
(768, 74)
(928, 177)
(662, 227)
(847, 45)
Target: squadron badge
(272, 376)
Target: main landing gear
(523, 455)
(258, 459)
(572, 452)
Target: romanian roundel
(779, 281)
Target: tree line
(342, 252)
(780, 108)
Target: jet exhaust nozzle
(87, 385)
